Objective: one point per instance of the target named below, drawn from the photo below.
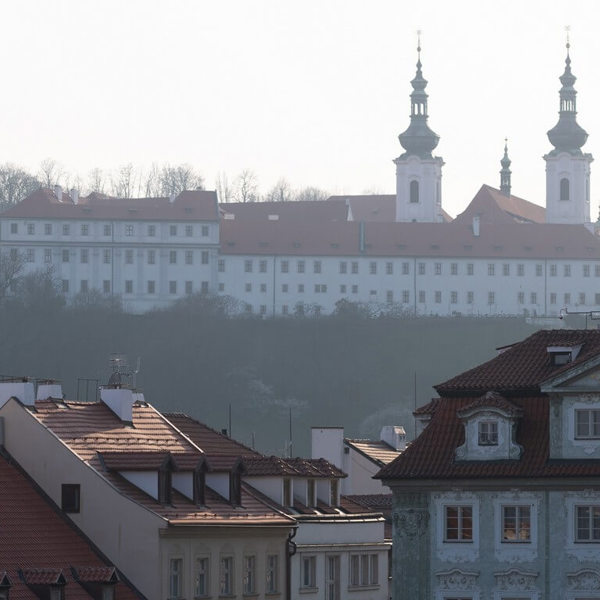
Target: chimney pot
(58, 192)
(75, 195)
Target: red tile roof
(89, 428)
(36, 538)
(456, 239)
(290, 467)
(492, 206)
(94, 574)
(135, 461)
(295, 212)
(377, 451)
(196, 205)
(492, 400)
(522, 367)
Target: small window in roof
(498, 248)
(468, 247)
(263, 244)
(559, 248)
(435, 246)
(563, 355)
(335, 245)
(296, 244)
(70, 497)
(528, 248)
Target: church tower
(567, 167)
(418, 173)
(505, 173)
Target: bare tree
(280, 192)
(123, 182)
(97, 181)
(151, 182)
(12, 264)
(224, 190)
(246, 187)
(15, 184)
(311, 193)
(174, 180)
(50, 172)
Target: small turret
(505, 173)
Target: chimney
(58, 192)
(119, 400)
(21, 389)
(361, 237)
(75, 195)
(476, 223)
(328, 443)
(172, 198)
(49, 389)
(394, 436)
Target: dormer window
(335, 494)
(235, 488)
(488, 433)
(311, 499)
(164, 486)
(287, 492)
(200, 486)
(587, 424)
(563, 355)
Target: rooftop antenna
(568, 31)
(137, 370)
(120, 370)
(291, 438)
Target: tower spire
(505, 173)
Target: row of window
(188, 287)
(107, 229)
(226, 586)
(107, 255)
(516, 523)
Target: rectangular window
(30, 228)
(458, 526)
(189, 231)
(129, 286)
(106, 286)
(262, 266)
(189, 287)
(597, 299)
(438, 297)
(128, 230)
(470, 297)
(84, 256)
(263, 288)
(173, 257)
(300, 288)
(151, 286)
(389, 268)
(332, 578)
(586, 270)
(65, 256)
(355, 289)
(172, 287)
(221, 265)
(48, 228)
(405, 296)
(128, 257)
(247, 266)
(285, 309)
(66, 229)
(453, 268)
(30, 255)
(506, 269)
(389, 297)
(14, 228)
(248, 287)
(316, 266)
(421, 268)
(172, 229)
(301, 266)
(107, 229)
(422, 296)
(263, 309)
(249, 575)
(309, 571)
(453, 297)
(581, 300)
(539, 270)
(533, 298)
(567, 298)
(488, 433)
(516, 524)
(491, 269)
(342, 289)
(438, 268)
(491, 298)
(285, 266)
(151, 230)
(151, 257)
(521, 297)
(552, 298)
(354, 266)
(107, 255)
(205, 231)
(596, 270)
(175, 578)
(552, 270)
(364, 570)
(587, 523)
(201, 573)
(85, 229)
(189, 257)
(65, 286)
(343, 267)
(70, 497)
(470, 269)
(83, 285)
(204, 287)
(373, 268)
(272, 581)
(405, 268)
(284, 288)
(587, 424)
(567, 270)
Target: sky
(313, 91)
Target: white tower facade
(567, 167)
(418, 172)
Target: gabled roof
(291, 467)
(492, 206)
(91, 428)
(523, 367)
(37, 539)
(491, 400)
(295, 212)
(192, 205)
(375, 450)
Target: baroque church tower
(567, 167)
(418, 172)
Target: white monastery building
(502, 256)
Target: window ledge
(251, 595)
(308, 590)
(360, 588)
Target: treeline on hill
(347, 369)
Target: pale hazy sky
(314, 91)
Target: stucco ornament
(515, 580)
(585, 580)
(411, 523)
(457, 580)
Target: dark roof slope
(523, 366)
(35, 537)
(296, 212)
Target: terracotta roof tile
(296, 212)
(374, 501)
(42, 576)
(290, 467)
(492, 400)
(523, 366)
(95, 574)
(36, 538)
(427, 409)
(135, 461)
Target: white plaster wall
(270, 486)
(360, 476)
(145, 480)
(219, 482)
(428, 173)
(328, 443)
(184, 482)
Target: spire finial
(418, 49)
(568, 30)
(505, 145)
(505, 172)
